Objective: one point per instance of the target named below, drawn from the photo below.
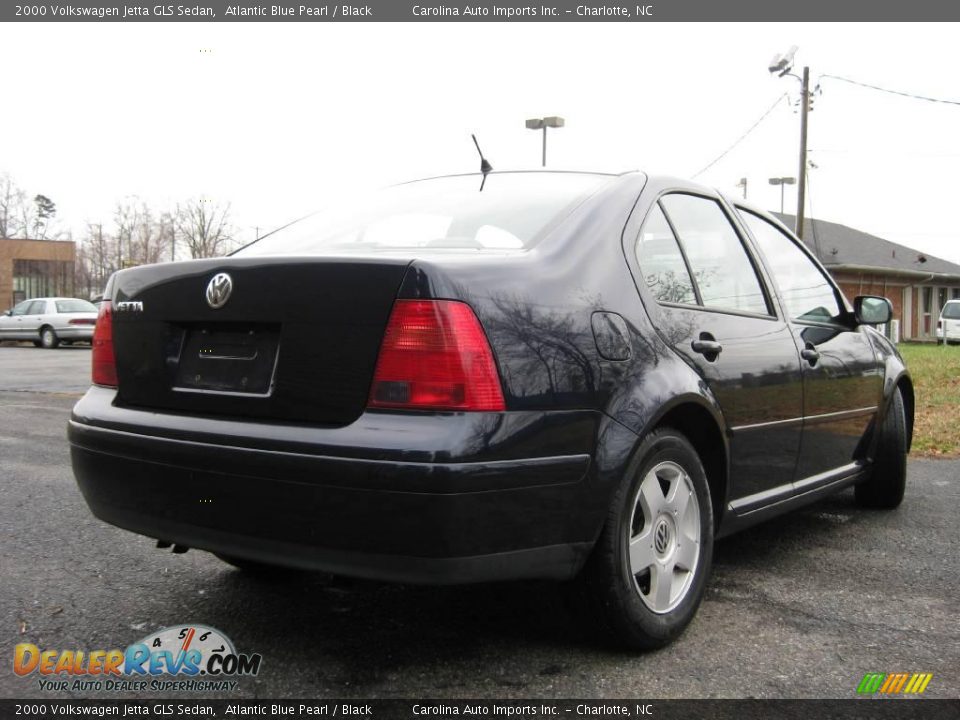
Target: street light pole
(781, 181)
(542, 124)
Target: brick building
(35, 268)
(918, 284)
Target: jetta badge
(218, 290)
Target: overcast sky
(277, 117)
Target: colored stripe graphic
(894, 683)
(871, 683)
(919, 682)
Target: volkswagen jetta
(543, 375)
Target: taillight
(435, 356)
(104, 362)
(82, 321)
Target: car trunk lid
(291, 339)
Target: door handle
(810, 354)
(707, 346)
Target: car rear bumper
(952, 331)
(333, 500)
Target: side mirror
(872, 310)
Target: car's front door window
(805, 291)
(21, 308)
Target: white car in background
(49, 321)
(948, 326)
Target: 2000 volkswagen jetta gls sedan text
(564, 375)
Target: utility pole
(802, 175)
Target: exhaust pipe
(177, 549)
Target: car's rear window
(513, 212)
(951, 311)
(75, 306)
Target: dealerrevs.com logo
(176, 658)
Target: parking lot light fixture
(553, 121)
(781, 181)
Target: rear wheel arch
(700, 427)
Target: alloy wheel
(664, 542)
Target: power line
(891, 92)
(742, 137)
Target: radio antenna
(485, 166)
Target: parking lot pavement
(24, 367)
(800, 607)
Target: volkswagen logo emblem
(218, 290)
(661, 538)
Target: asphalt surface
(799, 607)
(26, 368)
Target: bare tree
(11, 201)
(144, 237)
(124, 219)
(96, 260)
(167, 235)
(21, 217)
(203, 228)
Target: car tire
(888, 478)
(662, 510)
(48, 337)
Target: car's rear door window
(805, 290)
(662, 263)
(722, 270)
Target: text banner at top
(484, 11)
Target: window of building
(42, 278)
